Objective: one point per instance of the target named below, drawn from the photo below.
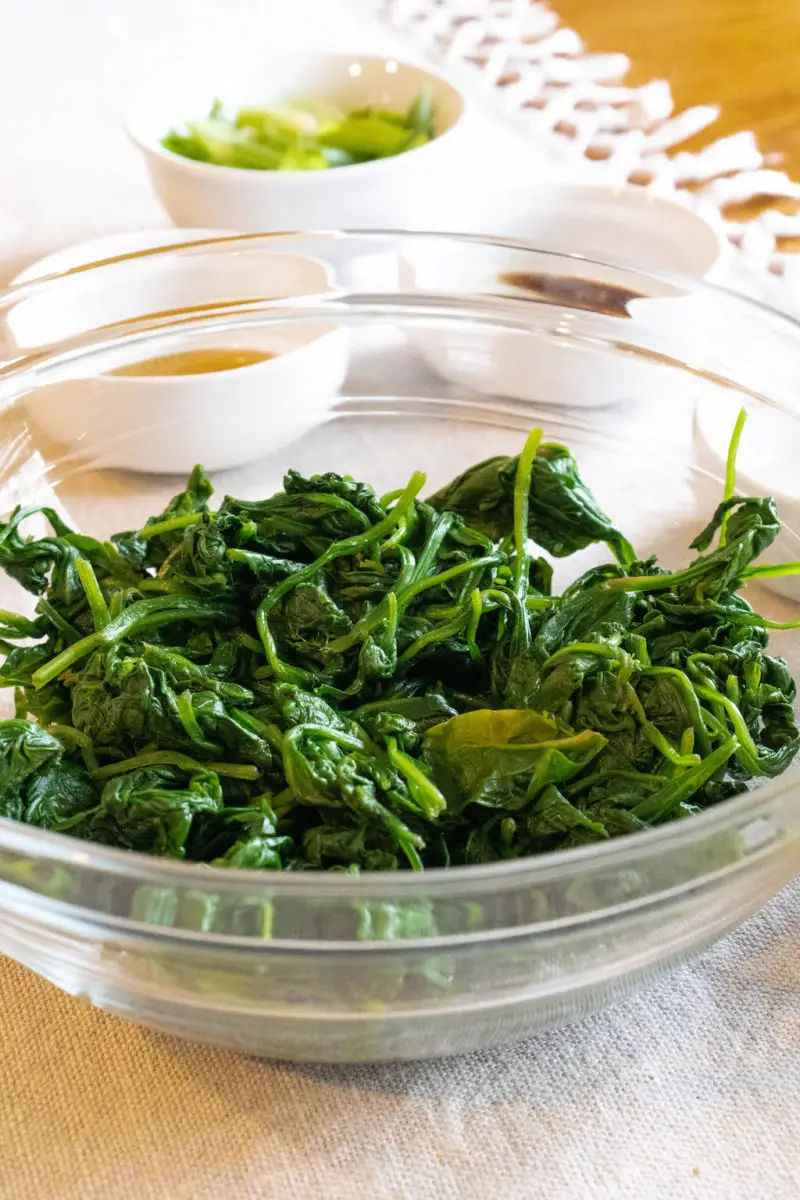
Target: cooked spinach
(325, 679)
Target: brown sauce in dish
(587, 294)
(195, 362)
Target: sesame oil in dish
(195, 362)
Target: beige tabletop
(691, 1089)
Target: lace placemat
(538, 74)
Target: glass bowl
(452, 349)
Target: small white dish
(167, 422)
(617, 225)
(627, 226)
(389, 192)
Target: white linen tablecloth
(692, 1089)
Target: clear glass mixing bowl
(444, 351)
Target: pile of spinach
(329, 680)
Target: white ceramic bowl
(162, 422)
(390, 192)
(618, 225)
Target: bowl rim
(153, 147)
(538, 868)
(64, 850)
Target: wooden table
(742, 54)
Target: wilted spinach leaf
(329, 680)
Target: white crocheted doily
(536, 72)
